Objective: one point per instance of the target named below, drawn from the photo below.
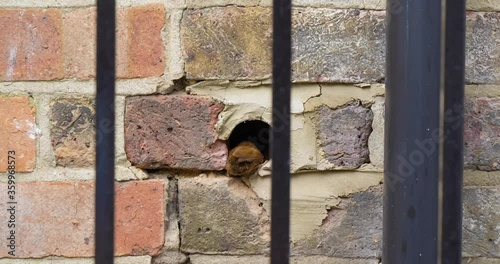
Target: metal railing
(280, 139)
(105, 121)
(423, 140)
(424, 131)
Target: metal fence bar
(413, 84)
(280, 144)
(451, 244)
(105, 136)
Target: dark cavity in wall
(255, 131)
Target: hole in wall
(255, 131)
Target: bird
(244, 160)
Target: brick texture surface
(482, 134)
(222, 215)
(483, 49)
(72, 131)
(30, 45)
(208, 259)
(140, 50)
(18, 132)
(57, 219)
(79, 43)
(173, 132)
(343, 135)
(227, 43)
(338, 45)
(485, 5)
(145, 45)
(351, 230)
(118, 260)
(328, 45)
(354, 228)
(481, 222)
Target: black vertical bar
(451, 243)
(413, 84)
(105, 136)
(280, 204)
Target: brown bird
(244, 159)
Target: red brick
(30, 44)
(79, 43)
(140, 213)
(57, 219)
(146, 53)
(80, 46)
(121, 43)
(18, 132)
(173, 132)
(139, 44)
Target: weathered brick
(482, 130)
(329, 260)
(227, 43)
(338, 45)
(18, 132)
(217, 259)
(212, 3)
(146, 54)
(480, 261)
(79, 42)
(207, 259)
(72, 131)
(118, 260)
(341, 4)
(482, 133)
(343, 135)
(57, 219)
(483, 5)
(328, 45)
(344, 45)
(30, 44)
(481, 222)
(140, 51)
(173, 132)
(140, 217)
(483, 49)
(80, 46)
(221, 215)
(353, 230)
(376, 140)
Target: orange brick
(30, 45)
(79, 43)
(146, 54)
(139, 51)
(140, 213)
(57, 219)
(17, 132)
(121, 44)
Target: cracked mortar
(251, 100)
(313, 193)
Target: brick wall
(188, 73)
